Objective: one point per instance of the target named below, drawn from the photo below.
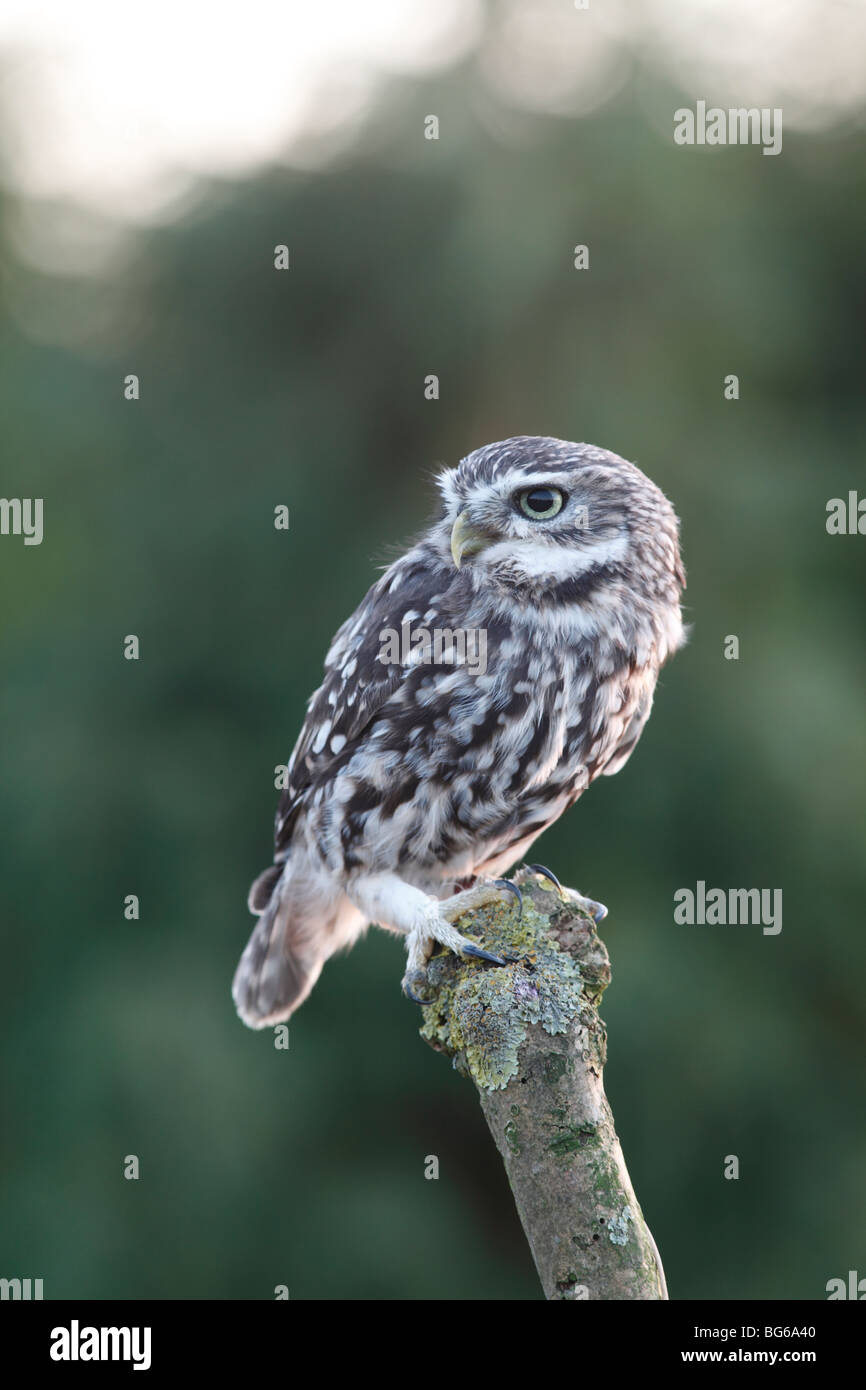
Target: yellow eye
(541, 503)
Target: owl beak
(466, 539)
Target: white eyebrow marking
(534, 558)
(515, 480)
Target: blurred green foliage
(305, 1168)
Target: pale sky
(117, 107)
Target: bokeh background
(150, 165)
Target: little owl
(414, 777)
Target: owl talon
(541, 872)
(478, 953)
(597, 911)
(417, 978)
(511, 888)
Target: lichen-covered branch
(530, 1037)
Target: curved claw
(478, 953)
(416, 999)
(512, 888)
(597, 911)
(546, 873)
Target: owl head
(546, 517)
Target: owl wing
(632, 732)
(357, 683)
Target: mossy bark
(529, 1035)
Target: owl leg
(423, 919)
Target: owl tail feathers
(275, 974)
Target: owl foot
(419, 949)
(415, 980)
(421, 940)
(420, 943)
(425, 920)
(482, 894)
(597, 911)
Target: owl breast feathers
(483, 682)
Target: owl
(490, 674)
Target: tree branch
(530, 1037)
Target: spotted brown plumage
(412, 777)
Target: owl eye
(541, 503)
